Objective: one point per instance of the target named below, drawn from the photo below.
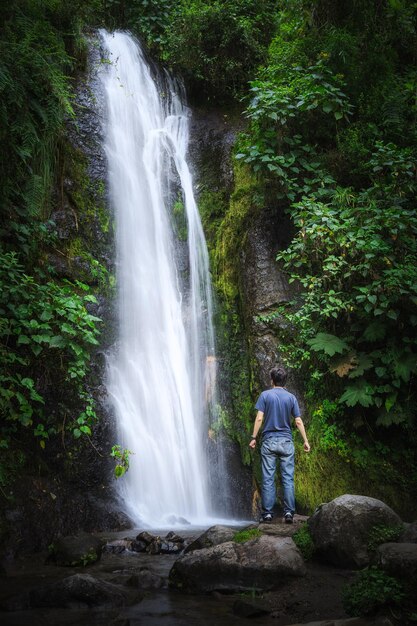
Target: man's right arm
(300, 425)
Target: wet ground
(317, 596)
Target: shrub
(383, 534)
(373, 589)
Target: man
(277, 406)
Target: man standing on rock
(277, 406)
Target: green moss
(246, 535)
(304, 542)
(225, 221)
(93, 222)
(180, 219)
(324, 474)
(245, 203)
(213, 206)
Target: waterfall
(161, 374)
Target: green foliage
(35, 97)
(246, 535)
(216, 44)
(122, 460)
(47, 329)
(343, 460)
(88, 558)
(356, 259)
(336, 145)
(383, 534)
(371, 591)
(47, 321)
(304, 542)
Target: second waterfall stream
(161, 373)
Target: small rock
(146, 537)
(118, 546)
(350, 621)
(138, 546)
(244, 608)
(75, 591)
(173, 519)
(397, 559)
(81, 549)
(211, 537)
(169, 547)
(410, 533)
(154, 547)
(146, 580)
(171, 536)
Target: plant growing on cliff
(122, 460)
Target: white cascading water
(161, 373)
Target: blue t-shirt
(278, 406)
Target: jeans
(272, 449)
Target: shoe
(266, 518)
(288, 518)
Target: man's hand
(306, 446)
(252, 443)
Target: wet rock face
(340, 529)
(263, 563)
(212, 139)
(264, 286)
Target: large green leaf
(405, 366)
(330, 344)
(361, 393)
(375, 330)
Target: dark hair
(278, 376)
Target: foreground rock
(410, 533)
(262, 563)
(214, 536)
(398, 559)
(81, 549)
(78, 591)
(340, 529)
(351, 621)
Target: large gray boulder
(397, 559)
(262, 563)
(212, 537)
(340, 529)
